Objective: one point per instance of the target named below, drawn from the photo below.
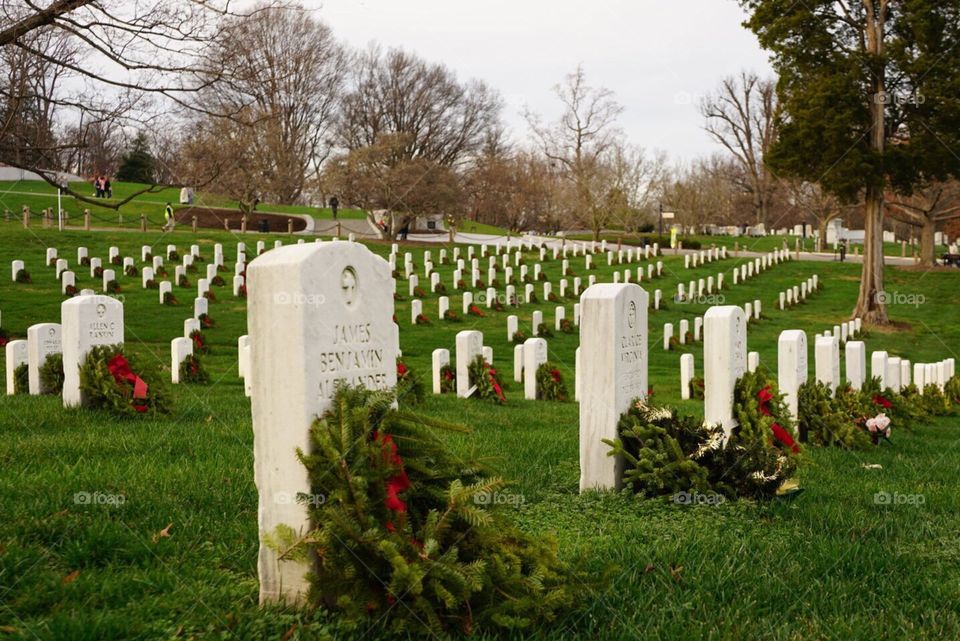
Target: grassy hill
(39, 195)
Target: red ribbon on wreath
(397, 483)
(119, 368)
(882, 401)
(492, 373)
(783, 436)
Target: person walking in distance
(168, 218)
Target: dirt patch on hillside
(212, 218)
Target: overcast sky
(658, 56)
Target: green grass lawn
(829, 564)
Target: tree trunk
(928, 249)
(870, 304)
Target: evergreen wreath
(406, 535)
(131, 270)
(4, 337)
(448, 379)
(544, 331)
(200, 345)
(210, 296)
(169, 299)
(952, 390)
(418, 292)
(152, 284)
(98, 272)
(566, 326)
(116, 260)
(218, 281)
(23, 277)
(550, 384)
(113, 287)
(51, 374)
(183, 281)
(70, 291)
(487, 381)
(519, 338)
(193, 371)
(410, 388)
(173, 255)
(422, 319)
(441, 289)
(21, 379)
(109, 381)
(473, 310)
(666, 453)
(831, 422)
(452, 316)
(206, 322)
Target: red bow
(765, 396)
(397, 483)
(492, 373)
(119, 367)
(784, 437)
(881, 401)
(555, 375)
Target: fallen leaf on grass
(163, 534)
(289, 633)
(70, 578)
(871, 466)
(675, 572)
(650, 568)
(8, 629)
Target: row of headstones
(622, 256)
(798, 293)
(701, 258)
(704, 287)
(86, 321)
(849, 330)
(612, 369)
(469, 345)
(524, 273)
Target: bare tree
(580, 143)
(927, 207)
(128, 59)
(742, 117)
(440, 119)
(284, 74)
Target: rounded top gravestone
(318, 315)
